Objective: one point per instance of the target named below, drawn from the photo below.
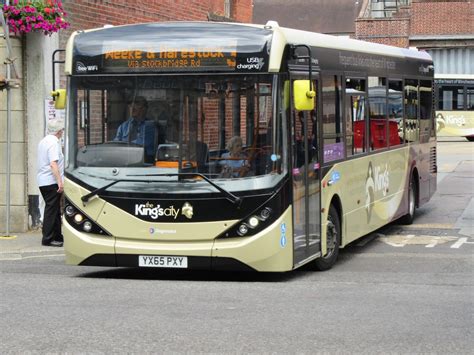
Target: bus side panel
(421, 155)
(270, 250)
(371, 189)
(455, 123)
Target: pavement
(26, 245)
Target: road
(403, 289)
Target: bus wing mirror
(303, 95)
(59, 97)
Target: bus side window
(426, 110)
(378, 113)
(411, 111)
(333, 136)
(395, 113)
(470, 98)
(355, 116)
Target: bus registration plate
(162, 261)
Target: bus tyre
(410, 216)
(470, 138)
(333, 240)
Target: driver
(138, 129)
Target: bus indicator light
(87, 226)
(243, 229)
(69, 210)
(265, 213)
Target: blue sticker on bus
(283, 235)
(335, 176)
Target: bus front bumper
(261, 252)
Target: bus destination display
(169, 58)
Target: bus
(261, 148)
(455, 106)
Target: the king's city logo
(155, 211)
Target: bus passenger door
(306, 182)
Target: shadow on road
(188, 275)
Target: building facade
(33, 58)
(445, 29)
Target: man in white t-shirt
(50, 181)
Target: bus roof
(188, 46)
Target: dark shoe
(54, 243)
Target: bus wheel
(470, 138)
(410, 216)
(333, 239)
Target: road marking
(8, 237)
(399, 241)
(460, 242)
(430, 226)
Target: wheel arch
(336, 202)
(416, 177)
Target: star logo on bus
(187, 210)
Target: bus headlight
(87, 226)
(78, 218)
(251, 225)
(253, 222)
(80, 221)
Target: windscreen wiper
(87, 197)
(230, 196)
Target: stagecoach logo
(154, 212)
(82, 68)
(187, 210)
(252, 63)
(378, 180)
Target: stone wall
(18, 177)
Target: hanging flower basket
(45, 16)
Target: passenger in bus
(138, 129)
(235, 162)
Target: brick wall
(423, 17)
(443, 18)
(86, 14)
(392, 32)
